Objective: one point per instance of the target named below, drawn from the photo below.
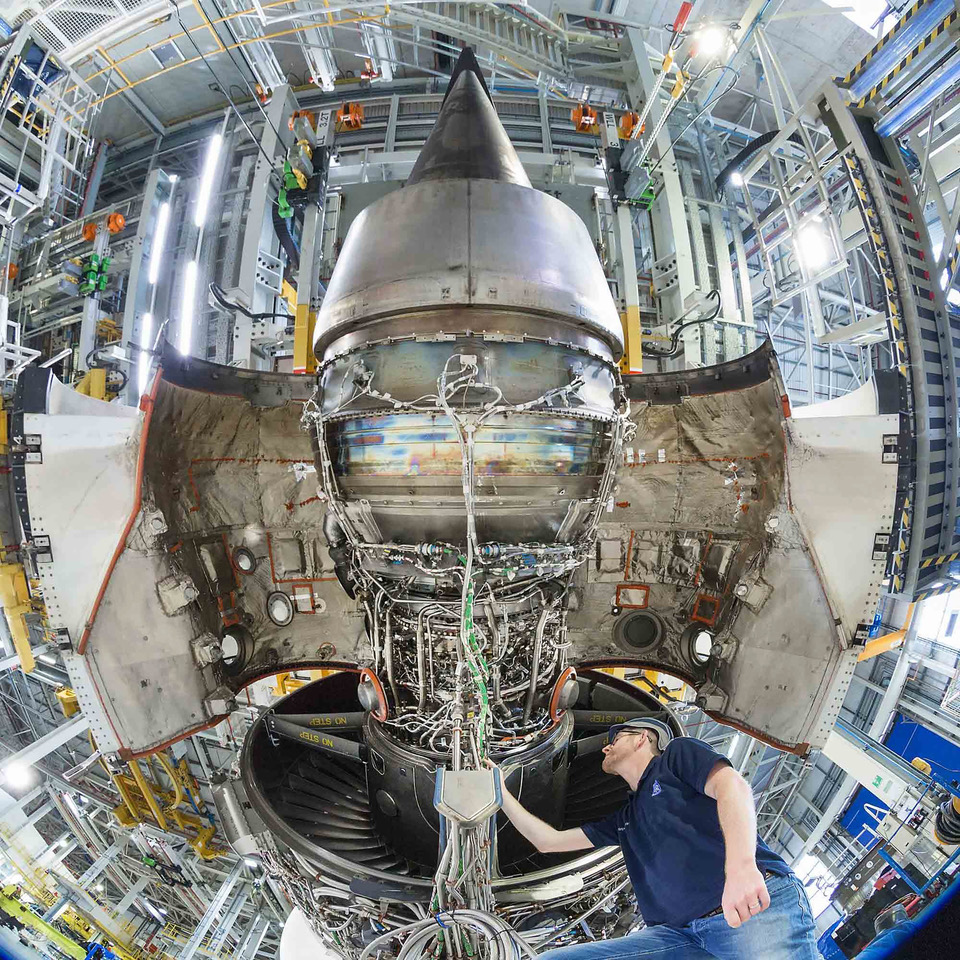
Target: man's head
(633, 745)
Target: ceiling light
(153, 910)
(143, 368)
(18, 776)
(711, 41)
(736, 178)
(251, 861)
(159, 235)
(206, 179)
(187, 304)
(813, 246)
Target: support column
(668, 214)
(229, 921)
(882, 718)
(252, 943)
(311, 254)
(259, 234)
(216, 905)
(630, 292)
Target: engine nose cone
(468, 141)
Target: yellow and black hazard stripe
(900, 546)
(936, 591)
(907, 17)
(944, 25)
(952, 262)
(938, 561)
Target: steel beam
(212, 912)
(101, 863)
(229, 921)
(46, 744)
(127, 902)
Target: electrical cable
(224, 90)
(251, 90)
(220, 296)
(675, 335)
(711, 102)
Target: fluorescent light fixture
(736, 178)
(146, 341)
(154, 911)
(187, 305)
(813, 246)
(159, 235)
(18, 776)
(251, 861)
(46, 658)
(206, 179)
(711, 41)
(72, 804)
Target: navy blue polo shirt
(670, 836)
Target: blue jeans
(784, 931)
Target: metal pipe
(388, 658)
(421, 665)
(172, 774)
(147, 792)
(535, 662)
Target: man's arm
(545, 838)
(744, 886)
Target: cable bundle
(502, 941)
(946, 824)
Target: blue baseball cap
(663, 731)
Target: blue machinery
(920, 781)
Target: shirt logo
(656, 788)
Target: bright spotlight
(813, 246)
(18, 775)
(206, 179)
(736, 178)
(711, 41)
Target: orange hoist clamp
(350, 116)
(630, 126)
(584, 118)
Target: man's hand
(544, 837)
(744, 894)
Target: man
(706, 885)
